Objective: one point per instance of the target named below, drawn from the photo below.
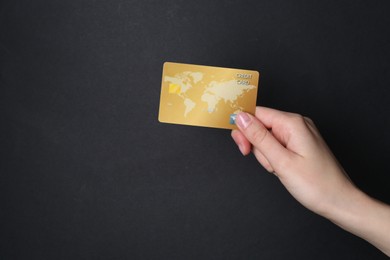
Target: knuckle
(295, 115)
(297, 119)
(308, 120)
(285, 164)
(259, 136)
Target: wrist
(348, 210)
(363, 216)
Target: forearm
(364, 217)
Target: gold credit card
(206, 96)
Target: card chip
(174, 88)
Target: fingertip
(243, 144)
(232, 133)
(245, 149)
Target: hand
(290, 146)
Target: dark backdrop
(88, 172)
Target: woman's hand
(290, 146)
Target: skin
(291, 147)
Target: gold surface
(206, 96)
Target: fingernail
(243, 120)
(240, 147)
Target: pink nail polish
(243, 120)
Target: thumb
(263, 140)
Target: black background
(88, 172)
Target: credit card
(206, 96)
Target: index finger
(268, 116)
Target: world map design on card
(206, 96)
